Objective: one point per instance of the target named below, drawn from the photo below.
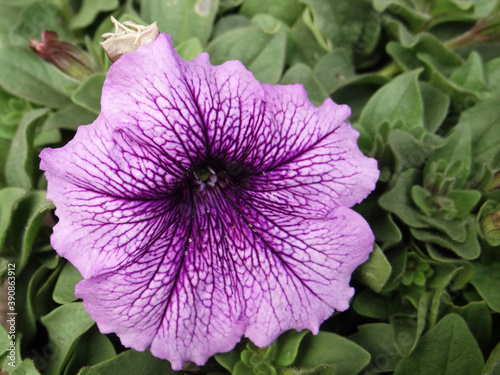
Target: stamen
(212, 180)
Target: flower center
(204, 177)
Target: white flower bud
(127, 37)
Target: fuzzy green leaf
(375, 272)
(492, 366)
(8, 200)
(26, 222)
(483, 120)
(130, 362)
(447, 349)
(262, 52)
(64, 291)
(26, 75)
(182, 19)
(330, 350)
(89, 10)
(376, 339)
(19, 167)
(286, 10)
(65, 325)
(486, 280)
(88, 94)
(397, 101)
(287, 347)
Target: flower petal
(109, 196)
(234, 268)
(198, 111)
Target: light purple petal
(249, 271)
(194, 111)
(187, 265)
(109, 196)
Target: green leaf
(92, 348)
(397, 101)
(464, 200)
(301, 73)
(182, 19)
(88, 94)
(357, 91)
(65, 325)
(130, 362)
(409, 152)
(398, 199)
(35, 18)
(26, 75)
(492, 366)
(26, 222)
(456, 230)
(230, 359)
(10, 16)
(456, 150)
(64, 292)
(19, 166)
(89, 10)
(8, 200)
(405, 332)
(448, 349)
(229, 4)
(262, 52)
(69, 117)
(27, 367)
(468, 249)
(492, 76)
(287, 347)
(427, 52)
(470, 75)
(286, 10)
(189, 48)
(375, 272)
(30, 282)
(229, 23)
(440, 280)
(414, 17)
(344, 23)
(436, 104)
(486, 280)
(4, 340)
(330, 350)
(308, 42)
(333, 69)
(478, 319)
(376, 339)
(41, 290)
(386, 230)
(373, 305)
(483, 120)
(241, 369)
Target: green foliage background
(423, 80)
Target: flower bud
(491, 228)
(70, 59)
(494, 184)
(127, 39)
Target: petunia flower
(202, 206)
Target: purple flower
(201, 206)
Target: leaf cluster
(423, 81)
